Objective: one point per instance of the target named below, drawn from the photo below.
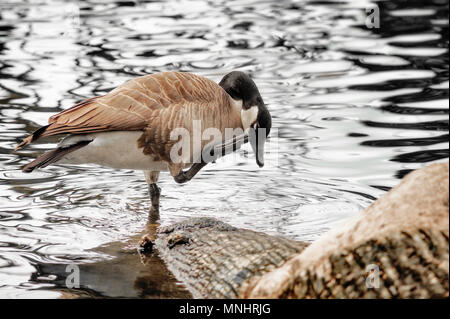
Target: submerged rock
(397, 248)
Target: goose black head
(255, 116)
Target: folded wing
(133, 106)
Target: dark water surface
(356, 109)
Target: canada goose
(131, 126)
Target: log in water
(398, 247)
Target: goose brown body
(154, 104)
(159, 122)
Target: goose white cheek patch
(248, 117)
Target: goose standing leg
(151, 178)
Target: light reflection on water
(355, 109)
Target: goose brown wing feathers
(133, 106)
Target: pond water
(356, 108)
